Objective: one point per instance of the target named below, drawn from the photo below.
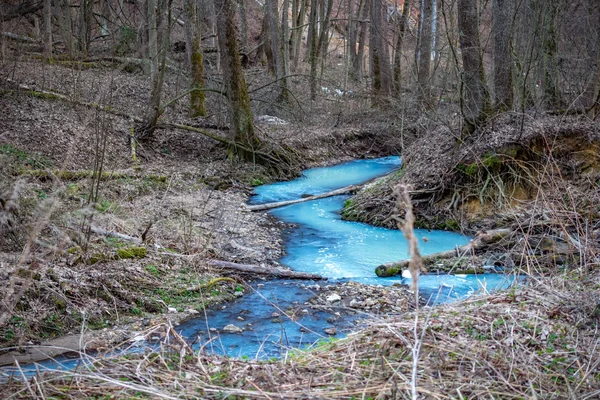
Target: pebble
(330, 331)
(192, 311)
(238, 294)
(231, 328)
(171, 310)
(333, 298)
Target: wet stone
(231, 328)
(330, 331)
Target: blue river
(274, 315)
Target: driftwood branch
(271, 271)
(337, 192)
(18, 38)
(480, 242)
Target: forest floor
(180, 207)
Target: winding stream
(324, 244)
(274, 316)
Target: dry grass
(540, 341)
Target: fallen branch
(480, 242)
(18, 38)
(272, 271)
(337, 192)
(83, 174)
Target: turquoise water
(321, 243)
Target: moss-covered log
(480, 242)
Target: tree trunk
(240, 115)
(359, 62)
(145, 130)
(244, 22)
(474, 94)
(66, 26)
(272, 14)
(503, 86)
(380, 63)
(47, 29)
(85, 26)
(297, 33)
(324, 29)
(424, 52)
(267, 44)
(312, 48)
(402, 27)
(152, 38)
(285, 38)
(549, 54)
(195, 61)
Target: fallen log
(479, 242)
(272, 271)
(69, 175)
(269, 206)
(18, 38)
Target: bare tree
(362, 13)
(312, 48)
(275, 38)
(503, 86)
(85, 26)
(145, 129)
(195, 61)
(298, 13)
(550, 52)
(66, 25)
(475, 101)
(402, 27)
(152, 25)
(380, 61)
(47, 29)
(424, 51)
(240, 115)
(244, 22)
